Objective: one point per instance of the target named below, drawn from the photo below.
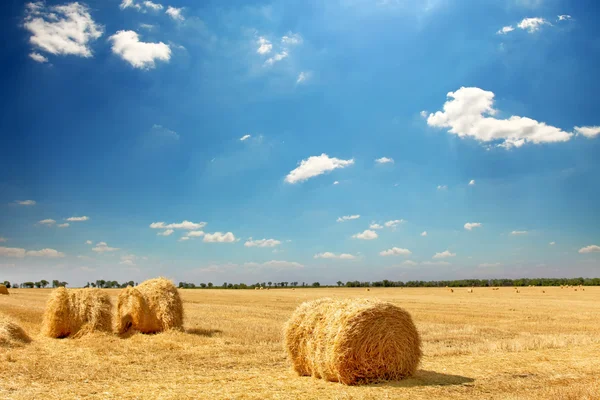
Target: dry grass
(76, 312)
(153, 306)
(487, 344)
(11, 334)
(353, 341)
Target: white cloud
(195, 234)
(175, 13)
(66, 29)
(88, 242)
(181, 239)
(48, 253)
(590, 249)
(552, 243)
(128, 260)
(47, 222)
(102, 247)
(347, 218)
(277, 57)
(65, 225)
(219, 237)
(165, 232)
(329, 255)
(490, 265)
(147, 26)
(564, 17)
(303, 76)
(275, 264)
(472, 182)
(245, 137)
(394, 223)
(153, 6)
(264, 45)
(315, 166)
(181, 225)
(384, 160)
(78, 219)
(444, 254)
(395, 251)
(505, 30)
(38, 57)
(469, 112)
(588, 131)
(442, 187)
(433, 263)
(336, 182)
(423, 114)
(126, 44)
(410, 262)
(26, 202)
(470, 225)
(424, 233)
(291, 39)
(515, 233)
(262, 243)
(366, 235)
(375, 226)
(129, 4)
(12, 252)
(532, 24)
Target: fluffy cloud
(262, 243)
(48, 253)
(78, 219)
(126, 44)
(26, 202)
(181, 225)
(590, 249)
(47, 222)
(410, 262)
(552, 243)
(165, 232)
(275, 264)
(472, 182)
(424, 233)
(469, 112)
(336, 182)
(128, 260)
(66, 29)
(505, 30)
(245, 137)
(470, 225)
(264, 45)
(384, 160)
(328, 255)
(129, 4)
(88, 242)
(65, 225)
(175, 13)
(516, 233)
(184, 238)
(395, 251)
(219, 237)
(375, 226)
(315, 166)
(303, 76)
(102, 247)
(153, 6)
(442, 187)
(347, 218)
(292, 39)
(194, 234)
(38, 57)
(393, 223)
(366, 235)
(444, 254)
(12, 252)
(277, 57)
(532, 24)
(564, 17)
(588, 131)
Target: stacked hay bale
(153, 306)
(76, 312)
(11, 334)
(3, 289)
(352, 341)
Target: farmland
(493, 344)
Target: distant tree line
(384, 283)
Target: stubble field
(490, 344)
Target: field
(490, 344)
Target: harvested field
(492, 344)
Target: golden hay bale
(367, 290)
(152, 306)
(11, 334)
(352, 341)
(76, 312)
(3, 289)
(470, 291)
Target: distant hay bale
(3, 289)
(256, 288)
(262, 288)
(11, 334)
(367, 290)
(470, 291)
(352, 341)
(152, 306)
(76, 312)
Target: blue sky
(228, 141)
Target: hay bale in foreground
(76, 312)
(153, 306)
(11, 334)
(3, 289)
(352, 341)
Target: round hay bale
(76, 312)
(152, 306)
(352, 341)
(11, 334)
(3, 289)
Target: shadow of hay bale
(428, 378)
(203, 332)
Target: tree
(55, 283)
(209, 284)
(340, 283)
(28, 285)
(316, 284)
(44, 283)
(270, 283)
(7, 284)
(38, 285)
(203, 285)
